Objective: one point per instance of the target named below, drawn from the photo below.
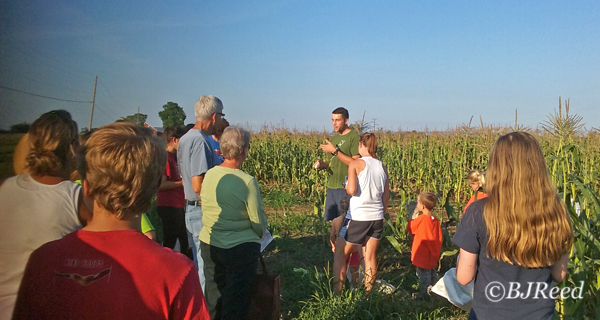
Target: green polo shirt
(348, 144)
(232, 208)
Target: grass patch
(291, 257)
(358, 304)
(302, 255)
(280, 196)
(290, 224)
(304, 264)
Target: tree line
(172, 115)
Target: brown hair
(51, 140)
(428, 199)
(343, 111)
(84, 137)
(188, 127)
(344, 204)
(526, 221)
(172, 132)
(370, 141)
(220, 127)
(123, 166)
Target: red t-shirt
(109, 275)
(427, 243)
(171, 197)
(478, 196)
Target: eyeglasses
(220, 113)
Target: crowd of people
(78, 250)
(514, 232)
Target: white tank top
(31, 214)
(367, 203)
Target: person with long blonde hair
(516, 241)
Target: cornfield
(439, 162)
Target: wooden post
(93, 102)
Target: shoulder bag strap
(264, 266)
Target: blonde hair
(123, 166)
(476, 176)
(233, 142)
(526, 221)
(52, 138)
(428, 199)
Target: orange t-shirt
(480, 195)
(427, 243)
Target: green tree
(172, 115)
(138, 118)
(20, 128)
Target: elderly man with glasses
(194, 157)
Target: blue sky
(410, 65)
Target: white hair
(233, 142)
(206, 106)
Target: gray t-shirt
(492, 294)
(194, 157)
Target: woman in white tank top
(368, 185)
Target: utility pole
(137, 118)
(93, 102)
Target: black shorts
(359, 232)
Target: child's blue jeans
(426, 278)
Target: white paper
(266, 239)
(449, 288)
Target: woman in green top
(233, 224)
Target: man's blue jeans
(193, 223)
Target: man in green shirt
(343, 145)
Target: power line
(45, 62)
(105, 102)
(110, 94)
(12, 74)
(41, 96)
(110, 106)
(106, 114)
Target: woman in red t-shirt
(170, 199)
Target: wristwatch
(335, 153)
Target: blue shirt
(216, 146)
(195, 156)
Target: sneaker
(385, 287)
(420, 296)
